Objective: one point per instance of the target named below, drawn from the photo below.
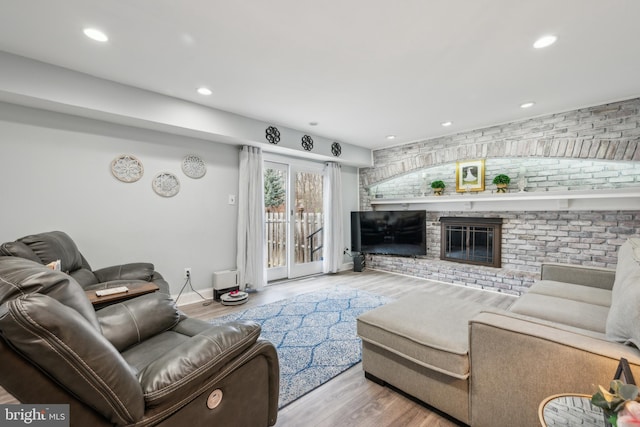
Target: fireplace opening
(471, 240)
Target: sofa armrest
(596, 277)
(162, 284)
(188, 366)
(58, 340)
(517, 361)
(133, 271)
(250, 391)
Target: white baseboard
(346, 266)
(191, 297)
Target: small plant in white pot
(501, 181)
(438, 187)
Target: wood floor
(348, 399)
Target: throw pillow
(624, 314)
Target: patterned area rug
(314, 334)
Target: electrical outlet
(187, 272)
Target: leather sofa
(489, 367)
(51, 246)
(140, 362)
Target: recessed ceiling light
(527, 105)
(545, 41)
(313, 123)
(446, 124)
(96, 35)
(391, 137)
(204, 91)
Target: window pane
(275, 217)
(308, 217)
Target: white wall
(56, 176)
(49, 87)
(55, 170)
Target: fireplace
(471, 240)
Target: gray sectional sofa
(491, 367)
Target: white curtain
(250, 260)
(332, 205)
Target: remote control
(111, 291)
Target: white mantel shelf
(590, 200)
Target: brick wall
(540, 174)
(588, 148)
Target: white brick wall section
(528, 240)
(590, 148)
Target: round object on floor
(234, 298)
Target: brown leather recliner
(57, 245)
(136, 363)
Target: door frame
(281, 272)
(292, 270)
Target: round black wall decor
(336, 149)
(273, 135)
(307, 143)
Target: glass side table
(570, 410)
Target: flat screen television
(400, 233)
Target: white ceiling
(362, 69)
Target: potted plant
(501, 181)
(619, 404)
(438, 187)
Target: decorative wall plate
(307, 143)
(273, 135)
(336, 149)
(166, 184)
(127, 168)
(193, 166)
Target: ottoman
(420, 345)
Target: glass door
(276, 177)
(307, 222)
(293, 219)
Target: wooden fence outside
(306, 223)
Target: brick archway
(607, 132)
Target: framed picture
(470, 175)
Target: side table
(570, 410)
(135, 289)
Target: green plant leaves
(614, 399)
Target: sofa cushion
(84, 277)
(430, 330)
(135, 320)
(141, 355)
(584, 315)
(596, 277)
(19, 249)
(623, 323)
(55, 245)
(588, 294)
(144, 353)
(61, 342)
(19, 277)
(133, 271)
